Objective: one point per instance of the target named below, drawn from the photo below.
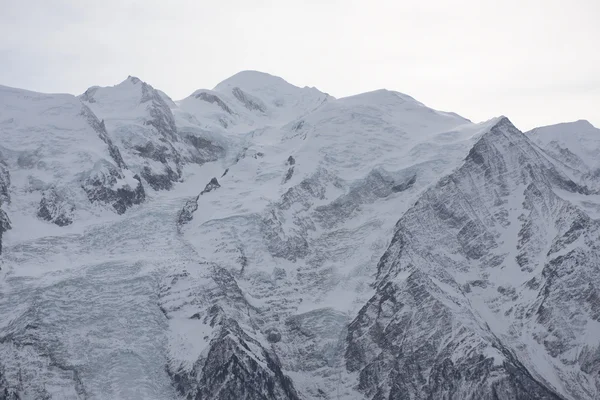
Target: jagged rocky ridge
(467, 216)
(439, 259)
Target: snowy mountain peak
(133, 79)
(576, 144)
(567, 128)
(381, 96)
(251, 80)
(265, 241)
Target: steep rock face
(288, 277)
(490, 240)
(187, 212)
(105, 184)
(54, 147)
(407, 342)
(235, 364)
(210, 186)
(55, 207)
(139, 120)
(4, 180)
(4, 225)
(4, 197)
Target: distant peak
(385, 95)
(250, 80)
(133, 79)
(574, 127)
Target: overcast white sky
(535, 61)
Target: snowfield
(264, 241)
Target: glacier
(265, 241)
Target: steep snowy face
(495, 269)
(247, 101)
(367, 247)
(297, 226)
(353, 135)
(577, 144)
(140, 121)
(57, 162)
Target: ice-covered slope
(577, 144)
(140, 121)
(304, 215)
(248, 101)
(57, 162)
(308, 247)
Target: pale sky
(535, 61)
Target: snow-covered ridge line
(266, 241)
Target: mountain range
(264, 241)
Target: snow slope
(59, 163)
(575, 143)
(290, 245)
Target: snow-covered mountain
(264, 241)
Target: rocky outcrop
(4, 181)
(203, 150)
(187, 212)
(4, 224)
(6, 392)
(250, 102)
(161, 116)
(105, 184)
(214, 99)
(100, 128)
(55, 207)
(236, 367)
(426, 335)
(235, 364)
(407, 343)
(4, 197)
(210, 186)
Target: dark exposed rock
(289, 174)
(232, 371)
(225, 172)
(100, 129)
(100, 187)
(376, 185)
(7, 392)
(401, 187)
(211, 98)
(163, 181)
(205, 150)
(273, 335)
(290, 161)
(465, 214)
(298, 125)
(4, 181)
(187, 212)
(386, 346)
(210, 186)
(248, 101)
(4, 224)
(319, 336)
(161, 116)
(56, 208)
(235, 365)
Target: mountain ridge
(259, 253)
